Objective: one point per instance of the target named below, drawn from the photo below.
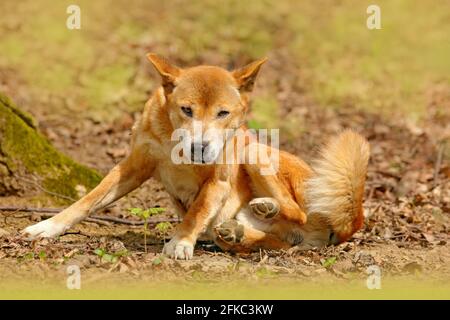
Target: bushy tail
(336, 189)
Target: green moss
(26, 117)
(23, 147)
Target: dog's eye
(223, 114)
(187, 111)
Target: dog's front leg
(123, 178)
(204, 208)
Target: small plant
(28, 256)
(162, 228)
(144, 215)
(110, 257)
(42, 255)
(157, 261)
(327, 263)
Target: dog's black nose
(197, 150)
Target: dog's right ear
(246, 76)
(168, 71)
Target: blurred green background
(321, 48)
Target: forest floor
(406, 230)
(407, 204)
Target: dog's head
(206, 102)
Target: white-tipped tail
(336, 189)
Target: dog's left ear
(169, 72)
(245, 76)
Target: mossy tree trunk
(26, 154)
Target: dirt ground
(407, 203)
(407, 208)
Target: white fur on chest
(180, 182)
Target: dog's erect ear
(168, 71)
(246, 76)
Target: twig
(388, 174)
(25, 209)
(50, 212)
(437, 166)
(78, 232)
(96, 220)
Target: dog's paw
(230, 231)
(44, 229)
(179, 249)
(264, 208)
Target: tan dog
(231, 203)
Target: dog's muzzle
(201, 153)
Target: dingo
(232, 204)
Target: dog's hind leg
(272, 186)
(247, 233)
(278, 175)
(123, 178)
(264, 208)
(233, 236)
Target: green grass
(265, 113)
